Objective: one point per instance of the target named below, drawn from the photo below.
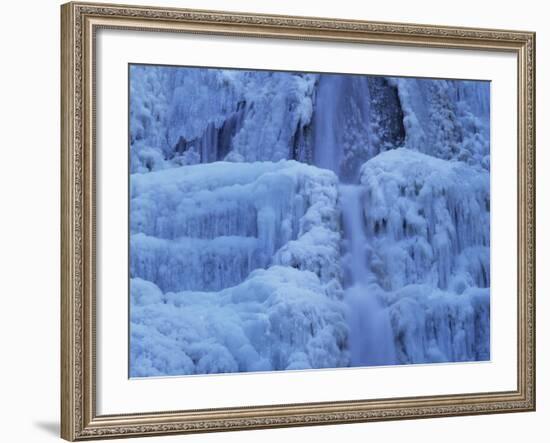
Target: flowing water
(327, 122)
(371, 335)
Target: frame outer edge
(527, 222)
(534, 275)
(531, 244)
(78, 419)
(68, 425)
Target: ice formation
(254, 288)
(284, 220)
(279, 318)
(187, 116)
(427, 230)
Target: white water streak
(371, 336)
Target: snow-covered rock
(448, 119)
(196, 115)
(207, 228)
(427, 227)
(421, 215)
(279, 318)
(434, 326)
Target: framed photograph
(283, 221)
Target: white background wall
(29, 219)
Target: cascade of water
(328, 106)
(371, 336)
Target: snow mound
(206, 227)
(427, 225)
(422, 216)
(212, 227)
(435, 326)
(279, 318)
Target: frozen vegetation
(296, 221)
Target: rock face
(293, 221)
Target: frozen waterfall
(290, 220)
(340, 100)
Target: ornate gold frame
(79, 21)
